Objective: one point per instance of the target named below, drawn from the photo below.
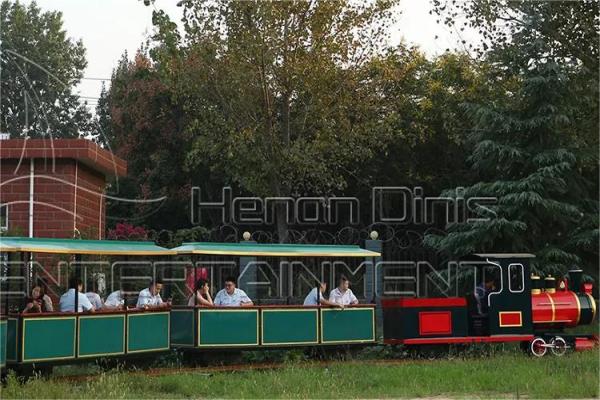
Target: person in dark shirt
(38, 302)
(482, 292)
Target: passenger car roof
(77, 246)
(275, 250)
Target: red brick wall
(89, 207)
(67, 195)
(15, 191)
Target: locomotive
(519, 308)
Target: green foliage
(174, 239)
(144, 129)
(423, 112)
(370, 116)
(530, 154)
(40, 67)
(276, 96)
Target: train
(519, 307)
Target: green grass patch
(509, 375)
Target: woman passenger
(43, 284)
(201, 294)
(36, 302)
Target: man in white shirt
(312, 299)
(94, 297)
(343, 294)
(67, 300)
(115, 300)
(150, 297)
(232, 296)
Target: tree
(529, 154)
(102, 120)
(571, 33)
(424, 100)
(39, 67)
(143, 127)
(277, 96)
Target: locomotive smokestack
(550, 284)
(575, 280)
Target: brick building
(54, 188)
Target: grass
(503, 375)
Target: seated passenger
(232, 296)
(94, 297)
(343, 294)
(150, 297)
(49, 307)
(313, 299)
(36, 303)
(114, 301)
(482, 292)
(67, 300)
(201, 295)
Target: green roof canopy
(504, 255)
(276, 250)
(76, 246)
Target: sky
(107, 28)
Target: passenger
(150, 297)
(201, 295)
(36, 303)
(482, 292)
(49, 307)
(67, 300)
(94, 297)
(115, 301)
(343, 294)
(232, 296)
(312, 299)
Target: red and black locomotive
(515, 307)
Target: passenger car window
(516, 278)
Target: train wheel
(538, 347)
(559, 346)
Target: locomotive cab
(500, 303)
(501, 311)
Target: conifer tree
(528, 155)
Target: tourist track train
(518, 308)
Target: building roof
(82, 150)
(275, 250)
(77, 246)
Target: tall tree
(277, 94)
(424, 100)
(143, 127)
(570, 31)
(102, 120)
(39, 67)
(530, 154)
